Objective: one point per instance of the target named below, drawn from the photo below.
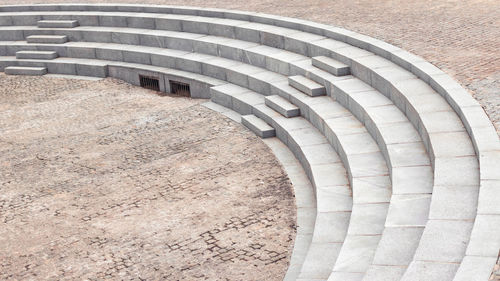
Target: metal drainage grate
(181, 89)
(149, 82)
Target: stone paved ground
(462, 37)
(103, 180)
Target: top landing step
(57, 23)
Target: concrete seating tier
(367, 172)
(389, 89)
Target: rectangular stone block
(258, 126)
(20, 70)
(307, 86)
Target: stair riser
(58, 24)
(37, 56)
(48, 40)
(21, 71)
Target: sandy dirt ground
(103, 180)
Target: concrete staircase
(400, 159)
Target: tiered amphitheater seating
(401, 159)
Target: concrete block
(57, 23)
(112, 20)
(81, 52)
(247, 33)
(282, 106)
(408, 210)
(258, 126)
(334, 198)
(19, 70)
(412, 180)
(108, 54)
(376, 189)
(454, 202)
(485, 237)
(195, 25)
(94, 70)
(384, 273)
(330, 65)
(68, 68)
(299, 42)
(368, 219)
(319, 261)
(444, 241)
(331, 227)
(367, 164)
(475, 268)
(134, 56)
(430, 271)
(456, 171)
(141, 22)
(37, 55)
(356, 254)
(47, 39)
(407, 154)
(397, 246)
(25, 20)
(97, 36)
(307, 86)
(125, 38)
(86, 20)
(169, 22)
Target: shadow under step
(57, 23)
(47, 39)
(282, 106)
(330, 65)
(23, 70)
(36, 55)
(258, 126)
(306, 86)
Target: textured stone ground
(462, 37)
(103, 180)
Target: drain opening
(181, 89)
(149, 82)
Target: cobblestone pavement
(462, 37)
(103, 180)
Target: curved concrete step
(411, 175)
(305, 202)
(368, 174)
